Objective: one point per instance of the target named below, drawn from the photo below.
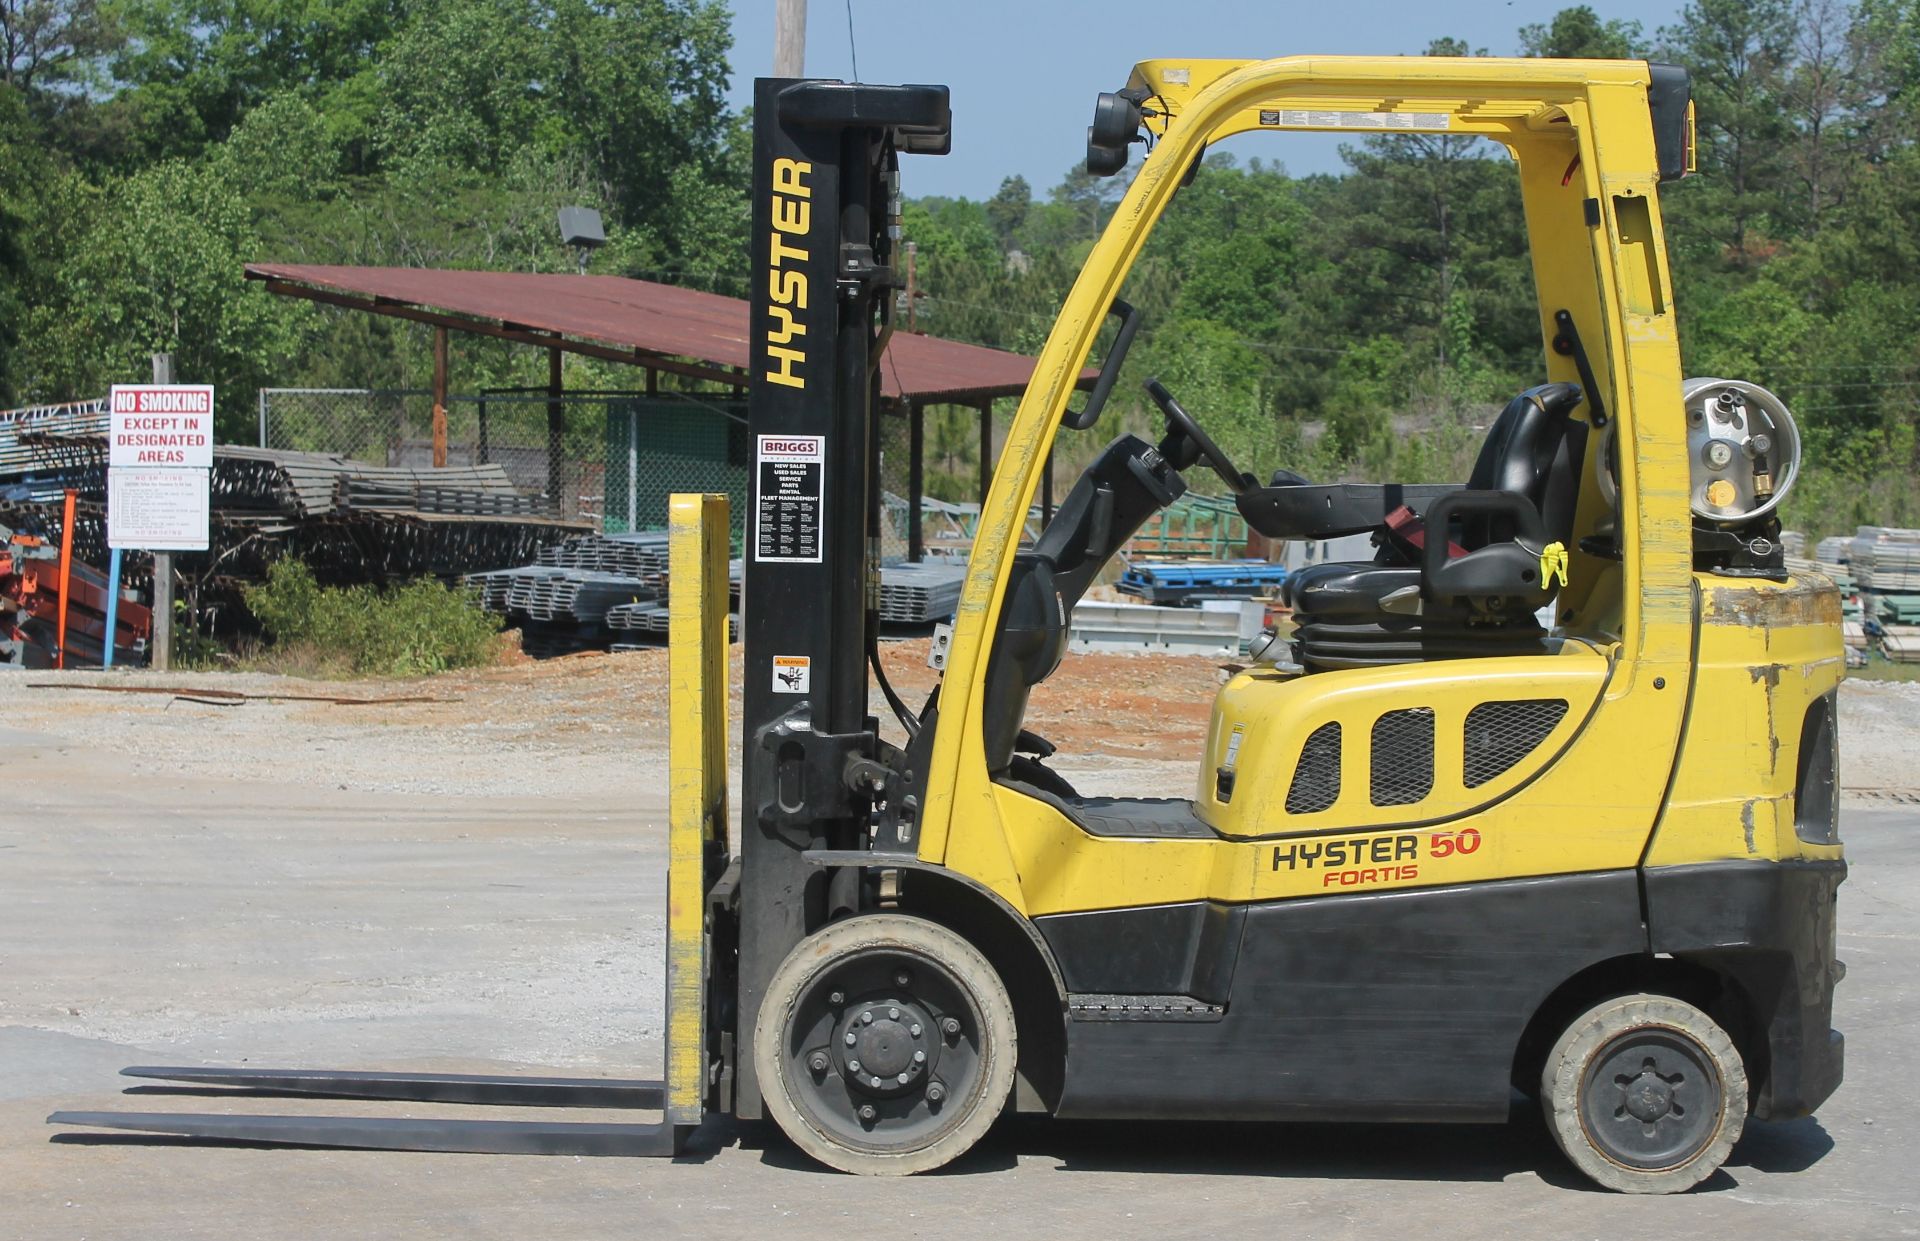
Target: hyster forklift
(1540, 798)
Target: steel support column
(916, 479)
(556, 433)
(986, 448)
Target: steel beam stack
(916, 594)
(1886, 564)
(589, 591)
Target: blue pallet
(1192, 581)
(1206, 573)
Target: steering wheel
(1180, 420)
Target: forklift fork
(697, 853)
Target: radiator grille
(1402, 757)
(1500, 734)
(1316, 781)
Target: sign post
(159, 464)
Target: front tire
(1645, 1094)
(885, 1045)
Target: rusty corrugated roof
(655, 318)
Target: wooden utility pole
(162, 639)
(789, 38)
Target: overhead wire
(852, 51)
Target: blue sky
(1024, 74)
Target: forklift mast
(825, 215)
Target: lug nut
(893, 1014)
(935, 1092)
(914, 1029)
(854, 1065)
(818, 1063)
(849, 1038)
(868, 1112)
(866, 1018)
(950, 1026)
(902, 1079)
(919, 1057)
(878, 1082)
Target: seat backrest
(1530, 452)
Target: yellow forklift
(1538, 798)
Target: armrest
(1334, 509)
(1509, 569)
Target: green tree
(1738, 52)
(1007, 209)
(156, 268)
(22, 167)
(50, 43)
(1579, 33)
(191, 69)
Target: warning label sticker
(1298, 118)
(792, 674)
(786, 522)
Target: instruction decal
(1300, 118)
(792, 674)
(791, 470)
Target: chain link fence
(895, 434)
(607, 457)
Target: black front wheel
(1646, 1094)
(885, 1045)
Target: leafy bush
(407, 630)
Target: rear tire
(885, 1045)
(1645, 1094)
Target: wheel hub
(1649, 1099)
(1647, 1096)
(886, 1045)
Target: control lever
(1025, 742)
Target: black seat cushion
(1345, 588)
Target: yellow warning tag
(1553, 563)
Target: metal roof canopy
(657, 326)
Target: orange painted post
(439, 398)
(66, 581)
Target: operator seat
(1440, 591)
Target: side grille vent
(1316, 781)
(1402, 757)
(1500, 734)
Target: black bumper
(1770, 928)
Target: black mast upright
(824, 158)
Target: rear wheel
(1645, 1094)
(885, 1045)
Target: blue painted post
(113, 607)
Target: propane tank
(1743, 449)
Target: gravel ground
(597, 724)
(475, 885)
(1879, 728)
